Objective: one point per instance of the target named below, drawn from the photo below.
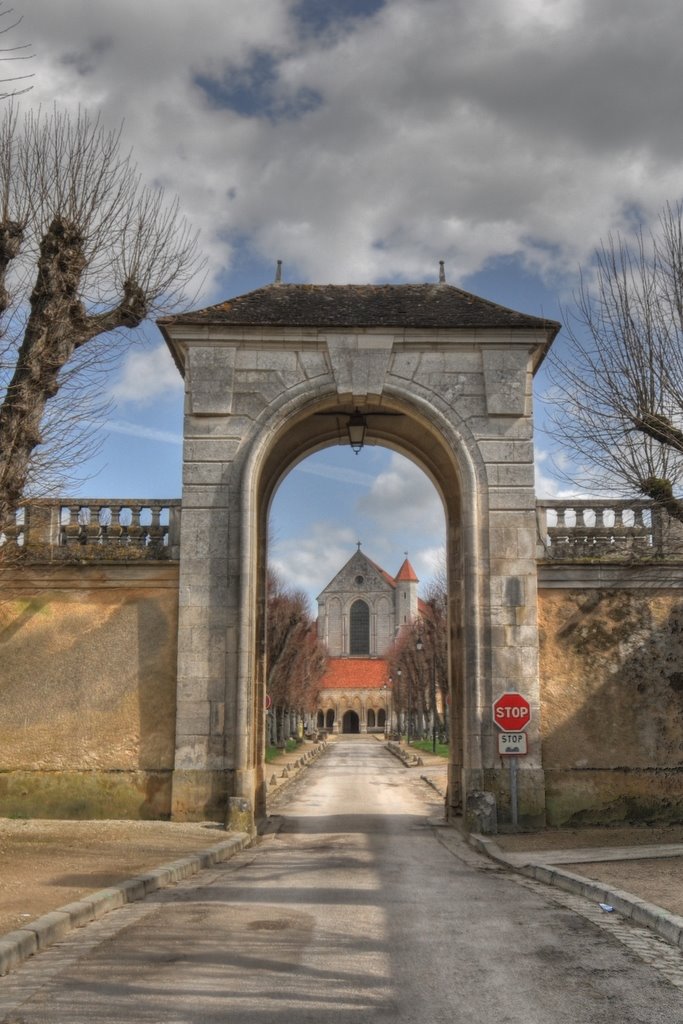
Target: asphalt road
(357, 908)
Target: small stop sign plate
(511, 712)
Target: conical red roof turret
(406, 574)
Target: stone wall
(611, 659)
(88, 690)
(88, 675)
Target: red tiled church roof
(383, 573)
(355, 673)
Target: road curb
(409, 760)
(19, 945)
(668, 926)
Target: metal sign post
(514, 802)
(512, 711)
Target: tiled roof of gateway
(355, 673)
(386, 305)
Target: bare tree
(617, 397)
(13, 84)
(86, 251)
(418, 665)
(295, 656)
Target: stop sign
(511, 712)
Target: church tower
(405, 595)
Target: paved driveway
(357, 908)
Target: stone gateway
(436, 373)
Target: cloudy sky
(362, 141)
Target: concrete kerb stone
(50, 928)
(668, 926)
(16, 947)
(81, 912)
(394, 749)
(19, 945)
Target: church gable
(360, 576)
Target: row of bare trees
(296, 661)
(419, 669)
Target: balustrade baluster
(114, 528)
(135, 530)
(91, 527)
(156, 530)
(71, 529)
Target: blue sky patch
(318, 16)
(255, 91)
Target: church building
(360, 614)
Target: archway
(406, 431)
(350, 722)
(442, 377)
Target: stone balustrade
(149, 528)
(574, 529)
(97, 528)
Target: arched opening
(405, 432)
(320, 720)
(329, 719)
(381, 718)
(350, 722)
(371, 718)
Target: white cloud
(138, 430)
(403, 495)
(309, 562)
(147, 374)
(340, 473)
(434, 129)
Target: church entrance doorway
(350, 722)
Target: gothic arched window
(359, 631)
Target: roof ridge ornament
(442, 272)
(278, 273)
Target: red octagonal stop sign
(511, 712)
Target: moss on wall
(88, 690)
(612, 704)
(82, 795)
